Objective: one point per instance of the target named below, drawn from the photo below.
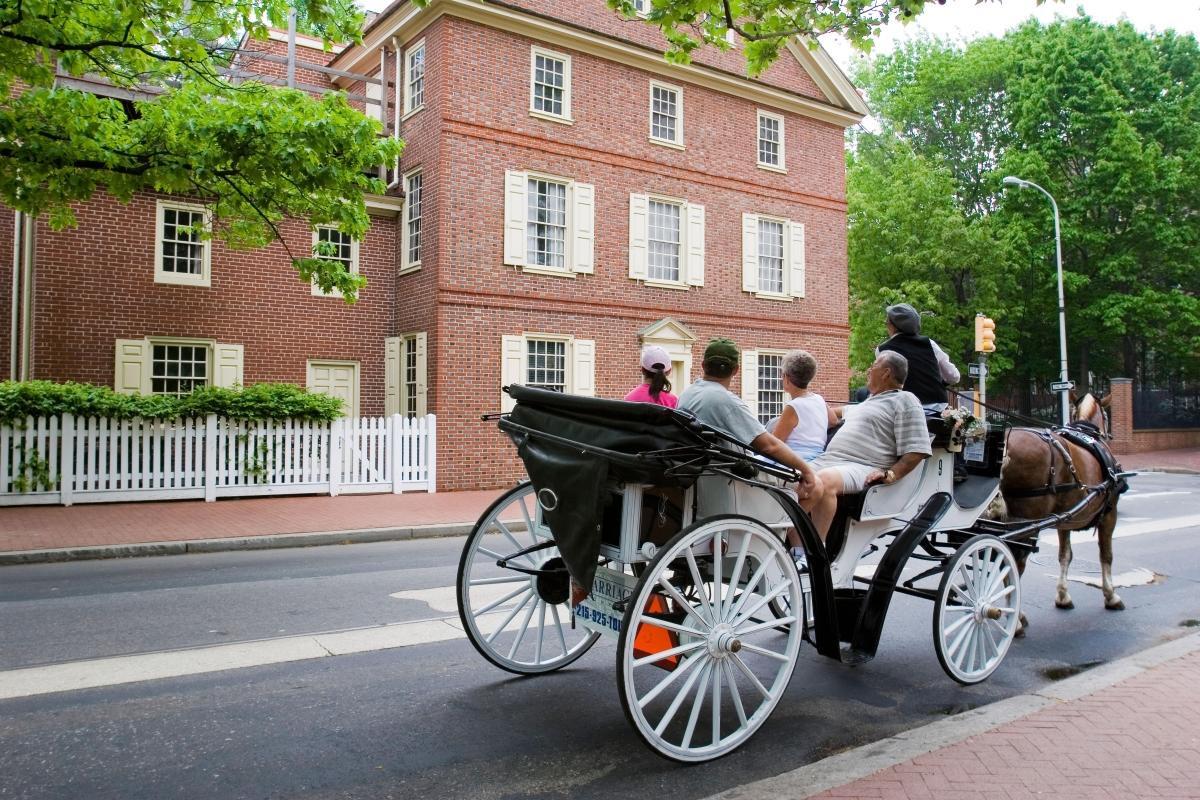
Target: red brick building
(569, 196)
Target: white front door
(336, 378)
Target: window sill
(772, 168)
(683, 287)
(549, 271)
(202, 281)
(411, 112)
(551, 117)
(409, 268)
(667, 143)
(780, 298)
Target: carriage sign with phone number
(597, 612)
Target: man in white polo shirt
(883, 439)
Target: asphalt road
(435, 720)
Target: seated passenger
(654, 388)
(883, 439)
(930, 371)
(806, 419)
(710, 401)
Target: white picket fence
(53, 460)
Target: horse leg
(1104, 533)
(1062, 598)
(1022, 621)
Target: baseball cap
(722, 349)
(904, 317)
(653, 357)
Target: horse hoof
(1020, 632)
(1116, 604)
(1065, 605)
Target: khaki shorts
(854, 476)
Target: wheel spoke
(685, 667)
(762, 651)
(705, 605)
(951, 628)
(735, 575)
(751, 585)
(683, 601)
(480, 612)
(671, 626)
(562, 639)
(730, 679)
(502, 579)
(697, 703)
(519, 547)
(750, 676)
(760, 602)
(489, 553)
(541, 633)
(524, 628)
(1003, 593)
(718, 600)
(960, 639)
(716, 705)
(963, 587)
(516, 610)
(771, 623)
(669, 714)
(659, 656)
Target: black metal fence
(1166, 407)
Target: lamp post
(1064, 384)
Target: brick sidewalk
(98, 524)
(1139, 738)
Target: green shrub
(19, 399)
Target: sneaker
(800, 558)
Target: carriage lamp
(1063, 384)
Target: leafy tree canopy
(254, 153)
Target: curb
(263, 542)
(851, 765)
(1168, 469)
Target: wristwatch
(889, 476)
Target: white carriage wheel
(519, 622)
(976, 610)
(732, 658)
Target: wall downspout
(27, 246)
(14, 311)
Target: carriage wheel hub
(723, 641)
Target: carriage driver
(711, 401)
(883, 439)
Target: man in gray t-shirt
(883, 439)
(710, 401)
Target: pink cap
(654, 356)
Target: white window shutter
(749, 252)
(695, 244)
(392, 349)
(227, 365)
(512, 367)
(750, 379)
(583, 367)
(422, 374)
(515, 209)
(796, 258)
(132, 369)
(639, 220)
(583, 208)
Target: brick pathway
(1139, 738)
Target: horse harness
(1086, 436)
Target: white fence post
(335, 455)
(210, 458)
(431, 453)
(395, 432)
(66, 462)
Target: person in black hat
(930, 371)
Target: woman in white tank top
(806, 418)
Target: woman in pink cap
(655, 388)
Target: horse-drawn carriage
(670, 536)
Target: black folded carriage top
(576, 449)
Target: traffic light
(985, 334)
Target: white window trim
(178, 279)
(580, 366)
(677, 142)
(792, 230)
(781, 167)
(209, 345)
(407, 266)
(409, 109)
(575, 261)
(691, 253)
(564, 118)
(750, 367)
(316, 290)
(642, 12)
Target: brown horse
(1047, 473)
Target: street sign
(977, 370)
(1059, 386)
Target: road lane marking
(1139, 495)
(1128, 528)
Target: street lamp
(1064, 385)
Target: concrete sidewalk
(31, 534)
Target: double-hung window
(549, 224)
(762, 383)
(183, 253)
(772, 257)
(548, 361)
(666, 241)
(414, 78)
(171, 366)
(770, 141)
(666, 114)
(414, 189)
(177, 369)
(330, 244)
(550, 85)
(405, 374)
